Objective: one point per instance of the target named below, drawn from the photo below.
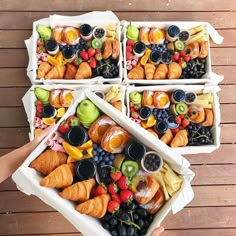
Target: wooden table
(213, 210)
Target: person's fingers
(157, 231)
(39, 137)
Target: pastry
(167, 137)
(147, 99)
(79, 191)
(115, 139)
(66, 97)
(156, 36)
(61, 177)
(161, 100)
(209, 117)
(71, 35)
(70, 71)
(156, 203)
(84, 71)
(147, 187)
(57, 34)
(203, 49)
(95, 207)
(99, 128)
(149, 71)
(180, 139)
(196, 113)
(192, 50)
(161, 72)
(144, 35)
(48, 161)
(57, 72)
(43, 69)
(54, 98)
(117, 105)
(107, 51)
(175, 70)
(115, 49)
(136, 73)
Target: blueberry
(102, 163)
(124, 216)
(114, 233)
(122, 230)
(106, 158)
(113, 221)
(105, 225)
(95, 145)
(140, 223)
(94, 152)
(95, 158)
(130, 231)
(110, 163)
(112, 156)
(135, 216)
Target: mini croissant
(84, 71)
(175, 70)
(61, 177)
(70, 71)
(48, 161)
(149, 71)
(79, 191)
(180, 139)
(43, 69)
(136, 73)
(167, 137)
(57, 72)
(95, 207)
(161, 72)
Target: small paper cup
(154, 171)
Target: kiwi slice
(118, 160)
(179, 45)
(181, 108)
(129, 168)
(97, 43)
(173, 110)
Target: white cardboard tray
(208, 77)
(93, 18)
(27, 179)
(29, 98)
(198, 89)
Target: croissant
(70, 71)
(203, 49)
(43, 69)
(175, 70)
(95, 207)
(136, 73)
(180, 139)
(79, 191)
(57, 72)
(167, 137)
(49, 161)
(61, 177)
(115, 49)
(161, 72)
(84, 71)
(107, 52)
(149, 71)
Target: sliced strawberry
(93, 63)
(185, 123)
(178, 120)
(130, 42)
(126, 195)
(101, 189)
(112, 188)
(123, 182)
(116, 197)
(91, 52)
(63, 127)
(115, 174)
(84, 55)
(113, 206)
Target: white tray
(198, 89)
(27, 179)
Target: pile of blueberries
(160, 48)
(131, 220)
(161, 114)
(82, 45)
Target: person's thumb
(157, 231)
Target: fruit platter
(44, 104)
(109, 174)
(166, 52)
(70, 50)
(183, 118)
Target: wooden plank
(227, 94)
(120, 5)
(224, 155)
(227, 133)
(219, 56)
(220, 20)
(226, 113)
(13, 117)
(227, 71)
(229, 38)
(16, 77)
(214, 174)
(8, 185)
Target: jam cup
(69, 53)
(52, 47)
(190, 97)
(135, 151)
(85, 169)
(139, 49)
(76, 136)
(86, 32)
(178, 96)
(152, 162)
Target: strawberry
(181, 116)
(77, 61)
(135, 115)
(175, 131)
(40, 49)
(185, 123)
(178, 120)
(187, 58)
(39, 114)
(132, 110)
(40, 42)
(131, 104)
(112, 188)
(39, 108)
(176, 56)
(113, 206)
(92, 193)
(63, 127)
(91, 52)
(115, 174)
(129, 48)
(84, 55)
(101, 189)
(98, 56)
(93, 63)
(38, 102)
(137, 106)
(126, 195)
(116, 197)
(180, 127)
(182, 53)
(123, 182)
(73, 121)
(130, 42)
(129, 56)
(97, 51)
